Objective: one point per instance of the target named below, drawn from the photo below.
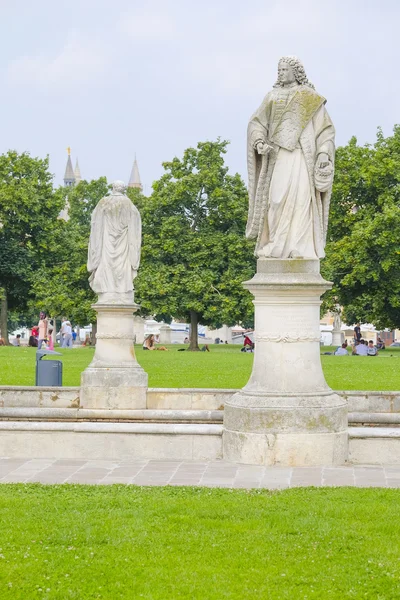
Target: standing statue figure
(114, 247)
(337, 318)
(291, 153)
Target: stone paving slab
(197, 473)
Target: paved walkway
(208, 474)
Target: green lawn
(224, 367)
(127, 542)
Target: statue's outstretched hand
(263, 148)
(323, 160)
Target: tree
(194, 253)
(363, 250)
(28, 209)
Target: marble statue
(114, 247)
(337, 318)
(291, 153)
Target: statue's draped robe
(114, 245)
(287, 213)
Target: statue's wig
(298, 71)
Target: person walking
(67, 340)
(42, 326)
(62, 331)
(357, 333)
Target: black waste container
(48, 372)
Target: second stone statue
(114, 379)
(114, 246)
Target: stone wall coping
(367, 393)
(373, 432)
(37, 388)
(193, 390)
(168, 415)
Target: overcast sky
(153, 77)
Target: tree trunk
(194, 331)
(4, 316)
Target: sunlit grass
(85, 542)
(223, 367)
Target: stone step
(374, 445)
(110, 440)
(82, 414)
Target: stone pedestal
(114, 378)
(138, 326)
(286, 414)
(337, 337)
(165, 334)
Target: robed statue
(291, 150)
(114, 246)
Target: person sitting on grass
(342, 350)
(371, 350)
(17, 341)
(149, 343)
(380, 344)
(248, 345)
(362, 349)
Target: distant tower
(134, 180)
(77, 173)
(69, 177)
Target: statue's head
(290, 69)
(118, 187)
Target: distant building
(72, 176)
(77, 173)
(134, 180)
(69, 176)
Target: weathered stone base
(285, 449)
(337, 338)
(114, 379)
(113, 388)
(292, 430)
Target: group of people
(360, 347)
(364, 348)
(42, 333)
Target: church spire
(134, 180)
(77, 173)
(69, 177)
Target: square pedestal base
(286, 449)
(113, 388)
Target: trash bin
(48, 372)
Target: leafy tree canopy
(194, 253)
(363, 250)
(29, 206)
